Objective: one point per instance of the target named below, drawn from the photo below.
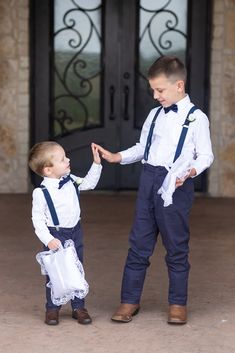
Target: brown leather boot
(82, 316)
(52, 317)
(177, 314)
(125, 312)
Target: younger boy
(48, 160)
(170, 131)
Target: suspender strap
(50, 202)
(50, 206)
(183, 134)
(150, 135)
(76, 187)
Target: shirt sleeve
(90, 181)
(202, 141)
(136, 152)
(39, 207)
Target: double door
(89, 69)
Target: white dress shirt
(166, 134)
(65, 201)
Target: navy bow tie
(171, 107)
(64, 181)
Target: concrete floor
(211, 325)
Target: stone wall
(222, 102)
(14, 95)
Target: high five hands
(108, 156)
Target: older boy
(48, 160)
(163, 139)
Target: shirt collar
(52, 182)
(183, 103)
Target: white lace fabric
(66, 273)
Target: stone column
(14, 95)
(222, 102)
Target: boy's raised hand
(108, 156)
(96, 155)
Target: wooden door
(89, 61)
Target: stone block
(23, 13)
(24, 61)
(230, 29)
(218, 31)
(23, 26)
(8, 105)
(216, 69)
(218, 19)
(5, 9)
(7, 47)
(8, 73)
(24, 74)
(218, 6)
(229, 4)
(23, 100)
(229, 97)
(7, 140)
(216, 56)
(217, 44)
(23, 50)
(6, 25)
(23, 87)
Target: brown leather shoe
(177, 314)
(82, 316)
(125, 312)
(52, 317)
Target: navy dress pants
(63, 234)
(152, 218)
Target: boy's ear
(46, 171)
(180, 86)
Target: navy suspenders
(181, 139)
(51, 205)
(183, 134)
(150, 135)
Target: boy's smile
(167, 91)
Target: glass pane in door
(76, 89)
(162, 31)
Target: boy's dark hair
(40, 156)
(170, 66)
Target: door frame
(198, 43)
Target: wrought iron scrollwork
(162, 31)
(76, 69)
(161, 43)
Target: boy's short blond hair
(40, 156)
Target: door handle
(111, 98)
(126, 102)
